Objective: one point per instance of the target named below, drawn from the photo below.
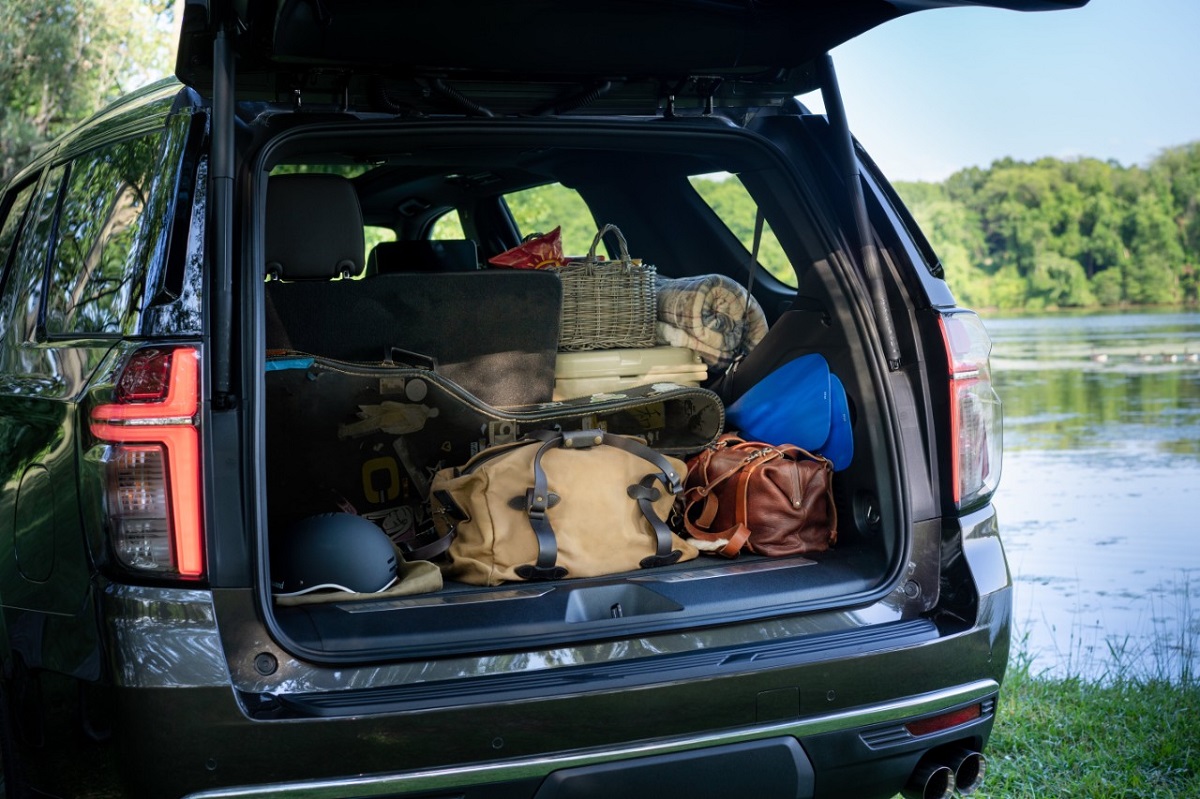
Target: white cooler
(579, 374)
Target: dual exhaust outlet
(942, 772)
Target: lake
(1099, 498)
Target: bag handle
(738, 535)
(622, 247)
(538, 498)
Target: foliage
(64, 61)
(1061, 234)
(544, 208)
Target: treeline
(65, 60)
(1059, 234)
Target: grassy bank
(1068, 737)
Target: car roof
(533, 56)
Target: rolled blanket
(708, 314)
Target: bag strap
(444, 520)
(538, 498)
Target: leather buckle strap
(646, 495)
(669, 475)
(538, 498)
(432, 549)
(537, 502)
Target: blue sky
(940, 90)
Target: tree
(1152, 275)
(1068, 233)
(1179, 168)
(64, 61)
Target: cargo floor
(462, 618)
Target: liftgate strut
(868, 252)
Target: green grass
(1124, 722)
(1127, 737)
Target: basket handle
(625, 259)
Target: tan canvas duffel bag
(555, 504)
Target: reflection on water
(1099, 500)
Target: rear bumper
(812, 745)
(818, 716)
(827, 727)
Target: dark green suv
(328, 181)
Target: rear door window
(21, 301)
(106, 239)
(543, 208)
(447, 226)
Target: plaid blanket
(708, 313)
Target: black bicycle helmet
(333, 551)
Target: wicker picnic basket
(607, 304)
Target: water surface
(1099, 500)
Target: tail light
(975, 420)
(152, 463)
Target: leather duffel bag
(769, 500)
(559, 504)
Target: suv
(160, 262)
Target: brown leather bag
(764, 499)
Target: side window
(733, 204)
(105, 240)
(543, 208)
(22, 297)
(448, 226)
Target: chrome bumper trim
(451, 778)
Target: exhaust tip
(969, 768)
(930, 780)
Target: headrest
(423, 255)
(314, 227)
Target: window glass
(345, 170)
(183, 316)
(448, 226)
(541, 209)
(729, 200)
(22, 296)
(105, 240)
(12, 222)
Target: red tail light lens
(975, 419)
(153, 464)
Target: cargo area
(415, 353)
